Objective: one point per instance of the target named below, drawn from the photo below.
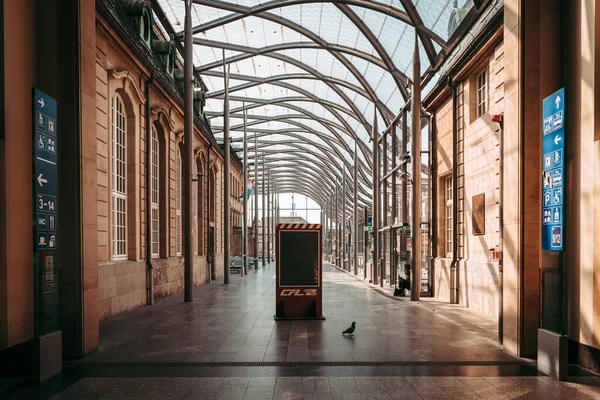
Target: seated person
(404, 283)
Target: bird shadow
(349, 337)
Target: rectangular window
(154, 196)
(119, 180)
(178, 202)
(448, 214)
(482, 92)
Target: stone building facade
(138, 99)
(463, 124)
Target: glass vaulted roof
(312, 75)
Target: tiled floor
(209, 349)
(235, 323)
(342, 388)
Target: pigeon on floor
(350, 330)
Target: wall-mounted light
(198, 177)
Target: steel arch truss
(346, 95)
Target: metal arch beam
(366, 163)
(385, 57)
(365, 200)
(364, 172)
(305, 162)
(278, 82)
(294, 134)
(259, 119)
(383, 109)
(299, 157)
(417, 22)
(254, 102)
(328, 80)
(244, 11)
(264, 132)
(255, 51)
(308, 181)
(300, 146)
(344, 127)
(304, 177)
(287, 119)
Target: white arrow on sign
(557, 139)
(557, 101)
(41, 101)
(41, 180)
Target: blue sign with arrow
(553, 168)
(45, 179)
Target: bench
(237, 263)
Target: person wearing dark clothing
(404, 283)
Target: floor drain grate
(217, 364)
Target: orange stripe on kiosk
(299, 268)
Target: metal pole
(404, 189)
(263, 211)
(375, 200)
(344, 221)
(365, 242)
(384, 218)
(255, 201)
(188, 138)
(226, 220)
(355, 228)
(337, 227)
(393, 233)
(415, 292)
(268, 216)
(245, 224)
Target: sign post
(47, 344)
(553, 344)
(553, 166)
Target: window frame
(119, 179)
(178, 228)
(448, 215)
(155, 195)
(482, 92)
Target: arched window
(154, 194)
(119, 179)
(178, 201)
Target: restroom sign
(553, 164)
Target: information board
(45, 185)
(298, 272)
(553, 168)
(299, 259)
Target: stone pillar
(521, 162)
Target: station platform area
(235, 323)
(226, 345)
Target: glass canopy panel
(328, 22)
(217, 83)
(443, 16)
(322, 61)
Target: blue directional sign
(45, 187)
(553, 165)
